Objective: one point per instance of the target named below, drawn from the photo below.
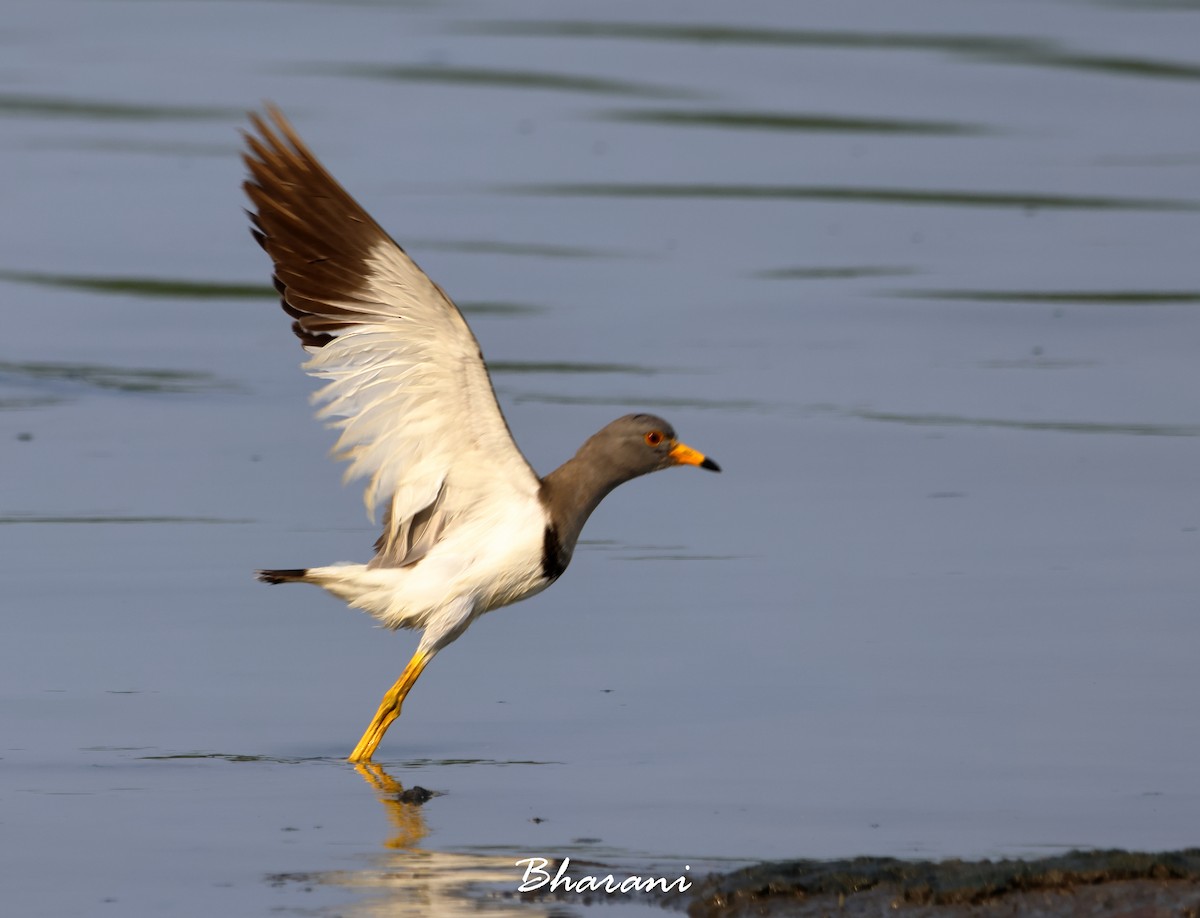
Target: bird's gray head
(628, 447)
(640, 443)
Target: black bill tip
(710, 465)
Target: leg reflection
(403, 807)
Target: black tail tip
(291, 575)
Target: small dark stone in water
(537, 820)
(24, 436)
(305, 880)
(415, 795)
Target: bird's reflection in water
(408, 879)
(403, 807)
(412, 880)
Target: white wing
(405, 380)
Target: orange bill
(685, 455)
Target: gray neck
(573, 490)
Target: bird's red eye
(654, 437)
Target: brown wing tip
(290, 575)
(315, 233)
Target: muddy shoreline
(1078, 883)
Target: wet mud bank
(1079, 883)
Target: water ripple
(1058, 297)
(120, 379)
(153, 287)
(778, 121)
(62, 107)
(866, 195)
(495, 78)
(1084, 427)
(12, 519)
(1007, 49)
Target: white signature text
(536, 877)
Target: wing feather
(405, 383)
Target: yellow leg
(389, 708)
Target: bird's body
(468, 526)
(481, 565)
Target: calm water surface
(923, 279)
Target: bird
(468, 525)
